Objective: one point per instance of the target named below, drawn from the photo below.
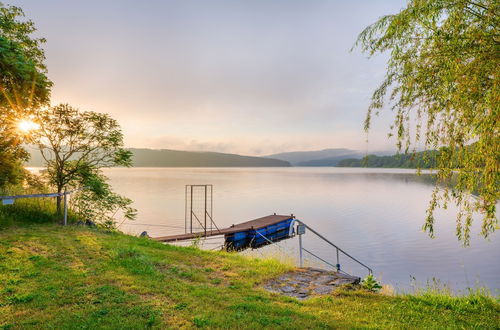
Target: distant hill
(425, 159)
(175, 158)
(326, 157)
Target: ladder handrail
(335, 246)
(326, 262)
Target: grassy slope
(73, 277)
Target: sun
(27, 125)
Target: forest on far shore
(425, 159)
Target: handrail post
(300, 250)
(338, 260)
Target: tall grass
(29, 211)
(473, 300)
(436, 293)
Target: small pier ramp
(250, 234)
(267, 230)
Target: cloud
(252, 77)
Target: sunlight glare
(26, 125)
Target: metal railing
(337, 249)
(6, 200)
(212, 223)
(204, 227)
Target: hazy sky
(252, 77)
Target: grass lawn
(75, 277)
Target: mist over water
(376, 215)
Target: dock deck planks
(244, 226)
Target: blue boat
(257, 236)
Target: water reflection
(374, 214)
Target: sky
(253, 77)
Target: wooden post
(65, 208)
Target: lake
(376, 215)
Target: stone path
(302, 283)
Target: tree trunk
(59, 201)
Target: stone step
(302, 283)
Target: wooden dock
(264, 231)
(241, 227)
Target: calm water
(374, 214)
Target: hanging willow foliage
(442, 85)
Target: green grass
(28, 211)
(75, 277)
(31, 211)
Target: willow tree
(24, 86)
(443, 87)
